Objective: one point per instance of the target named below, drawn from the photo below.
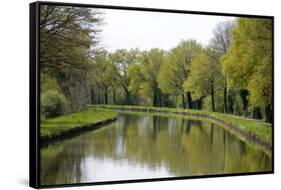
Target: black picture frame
(34, 91)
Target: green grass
(58, 125)
(257, 127)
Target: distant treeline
(233, 74)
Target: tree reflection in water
(140, 146)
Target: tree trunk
(105, 97)
(155, 97)
(96, 98)
(243, 94)
(213, 99)
(230, 103)
(165, 100)
(225, 97)
(114, 96)
(183, 101)
(189, 100)
(257, 113)
(213, 103)
(160, 98)
(92, 96)
(128, 96)
(99, 98)
(268, 113)
(102, 98)
(199, 104)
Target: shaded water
(139, 146)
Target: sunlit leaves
(205, 76)
(176, 68)
(248, 64)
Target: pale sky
(146, 30)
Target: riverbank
(254, 131)
(67, 125)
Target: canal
(143, 146)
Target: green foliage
(144, 76)
(52, 104)
(48, 82)
(220, 43)
(68, 40)
(176, 69)
(122, 59)
(260, 85)
(135, 72)
(248, 64)
(207, 102)
(238, 105)
(66, 35)
(206, 76)
(102, 74)
(237, 58)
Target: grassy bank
(250, 126)
(55, 127)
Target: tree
(220, 43)
(144, 76)
(248, 63)
(205, 77)
(100, 78)
(136, 87)
(222, 37)
(175, 71)
(154, 60)
(68, 37)
(122, 59)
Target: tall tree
(206, 76)
(175, 71)
(221, 43)
(154, 60)
(68, 36)
(122, 59)
(137, 85)
(144, 76)
(248, 63)
(103, 78)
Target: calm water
(145, 146)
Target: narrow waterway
(140, 146)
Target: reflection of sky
(119, 147)
(97, 170)
(145, 30)
(143, 146)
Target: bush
(48, 82)
(52, 104)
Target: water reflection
(146, 146)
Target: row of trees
(68, 40)
(181, 77)
(232, 74)
(248, 64)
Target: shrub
(52, 104)
(48, 82)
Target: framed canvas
(129, 94)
